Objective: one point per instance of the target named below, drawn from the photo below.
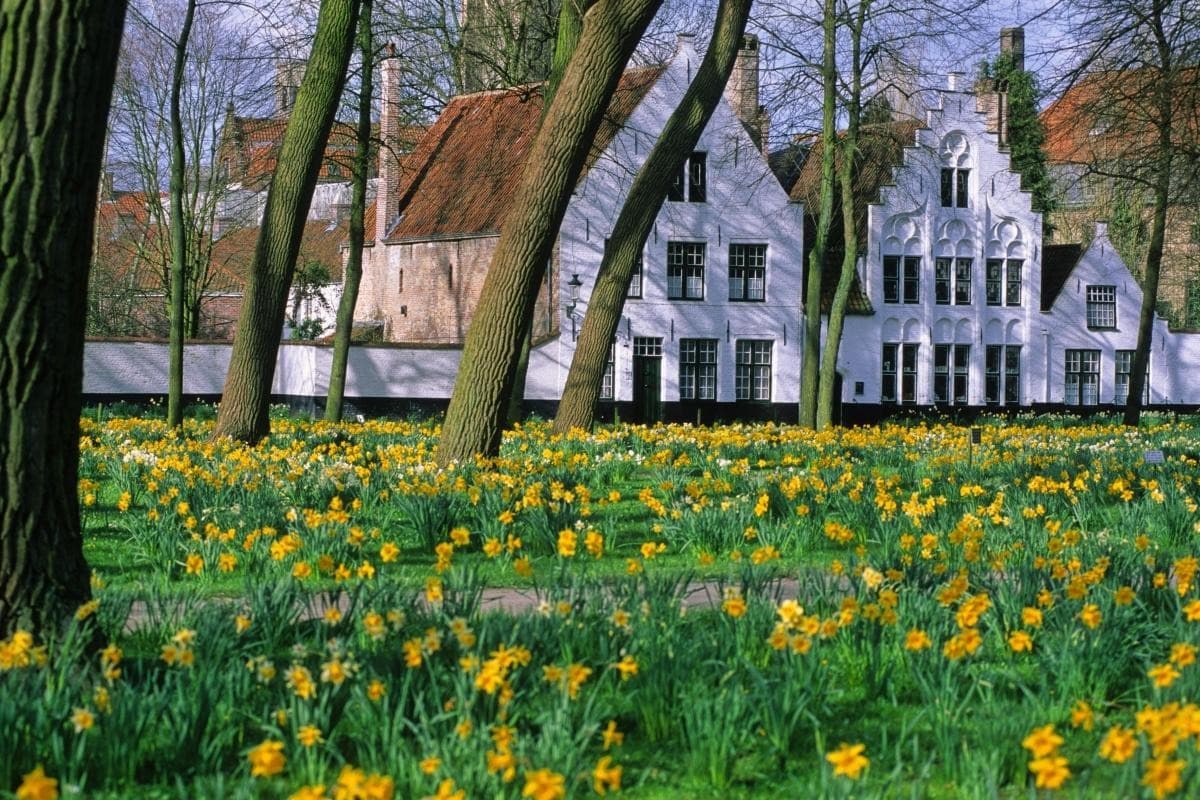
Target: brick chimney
(991, 95)
(388, 194)
(741, 90)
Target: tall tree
(810, 363)
(1140, 61)
(358, 204)
(247, 393)
(855, 23)
(570, 24)
(56, 78)
(646, 195)
(483, 386)
(178, 228)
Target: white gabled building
(711, 323)
(958, 303)
(710, 326)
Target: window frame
(1081, 372)
(955, 187)
(906, 277)
(687, 272)
(742, 273)
(752, 374)
(1101, 312)
(608, 379)
(698, 370)
(690, 184)
(901, 377)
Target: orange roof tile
(460, 178)
(1106, 115)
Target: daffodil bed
(1014, 617)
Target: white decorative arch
(993, 332)
(943, 331)
(1015, 333)
(954, 240)
(891, 330)
(902, 235)
(1006, 240)
(955, 150)
(962, 332)
(912, 330)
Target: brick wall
(426, 292)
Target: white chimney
(952, 81)
(1101, 229)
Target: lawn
(895, 613)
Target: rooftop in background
(463, 171)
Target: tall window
(1003, 281)
(901, 279)
(752, 381)
(951, 372)
(691, 183)
(952, 281)
(608, 380)
(1082, 386)
(899, 374)
(1102, 306)
(747, 272)
(1002, 374)
(635, 279)
(685, 271)
(698, 369)
(1124, 370)
(954, 187)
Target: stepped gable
(460, 179)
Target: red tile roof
(252, 145)
(1106, 115)
(460, 178)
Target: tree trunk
(570, 23)
(1154, 254)
(810, 356)
(178, 229)
(56, 79)
(474, 420)
(849, 151)
(358, 204)
(247, 393)
(678, 139)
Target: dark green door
(647, 388)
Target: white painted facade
(986, 232)
(744, 205)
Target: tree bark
(358, 203)
(247, 393)
(475, 418)
(678, 139)
(56, 78)
(570, 23)
(847, 179)
(1165, 102)
(178, 229)
(810, 356)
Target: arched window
(902, 260)
(1004, 270)
(955, 151)
(953, 265)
